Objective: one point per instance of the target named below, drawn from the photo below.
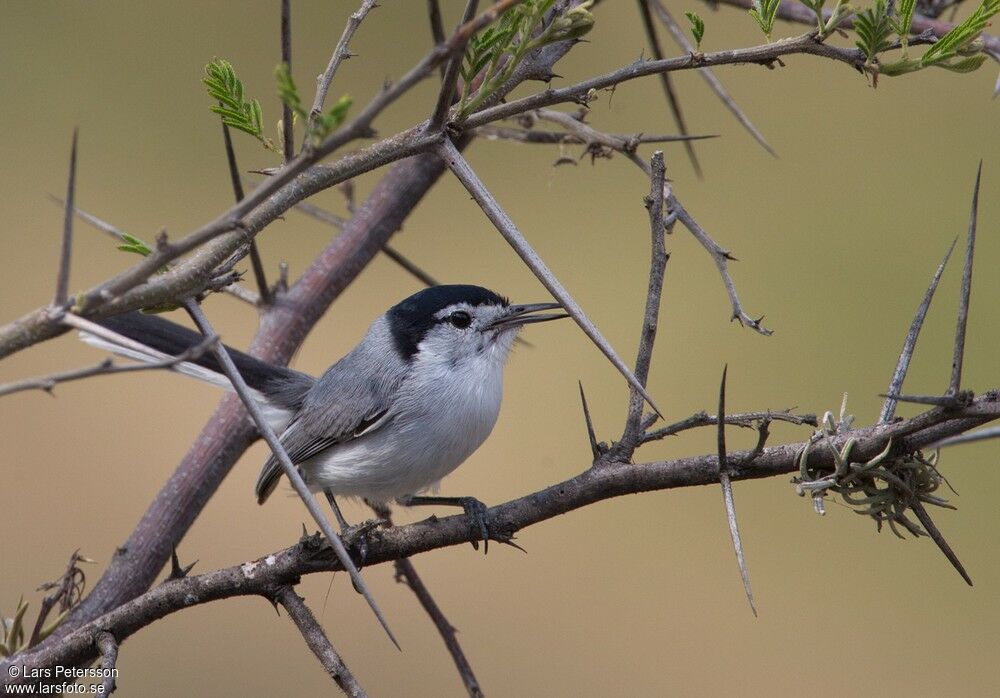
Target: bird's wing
(352, 398)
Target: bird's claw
(356, 538)
(479, 518)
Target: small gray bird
(403, 409)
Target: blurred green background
(837, 239)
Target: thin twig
(727, 494)
(325, 216)
(234, 289)
(470, 180)
(668, 89)
(524, 135)
(746, 420)
(449, 82)
(582, 132)
(799, 13)
(62, 279)
(291, 472)
(67, 592)
(263, 292)
(318, 642)
(577, 93)
(721, 257)
(709, 76)
(287, 134)
(963, 305)
(340, 53)
(105, 368)
(910, 343)
(407, 572)
(632, 435)
(108, 647)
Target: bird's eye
(460, 319)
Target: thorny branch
(229, 234)
(316, 639)
(627, 146)
(104, 368)
(262, 576)
(339, 55)
(799, 13)
(713, 82)
(406, 573)
(651, 315)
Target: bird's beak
(518, 315)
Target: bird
(405, 407)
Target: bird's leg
(355, 537)
(336, 511)
(477, 512)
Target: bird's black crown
(411, 318)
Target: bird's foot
(356, 539)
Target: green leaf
(764, 12)
(901, 24)
(963, 65)
(874, 30)
(236, 111)
(697, 27)
(962, 35)
(134, 244)
(515, 34)
(332, 118)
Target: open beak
(518, 315)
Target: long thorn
(903, 363)
(963, 306)
(594, 449)
(967, 438)
(62, 280)
(918, 508)
(727, 494)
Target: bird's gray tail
(280, 387)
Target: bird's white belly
(424, 439)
